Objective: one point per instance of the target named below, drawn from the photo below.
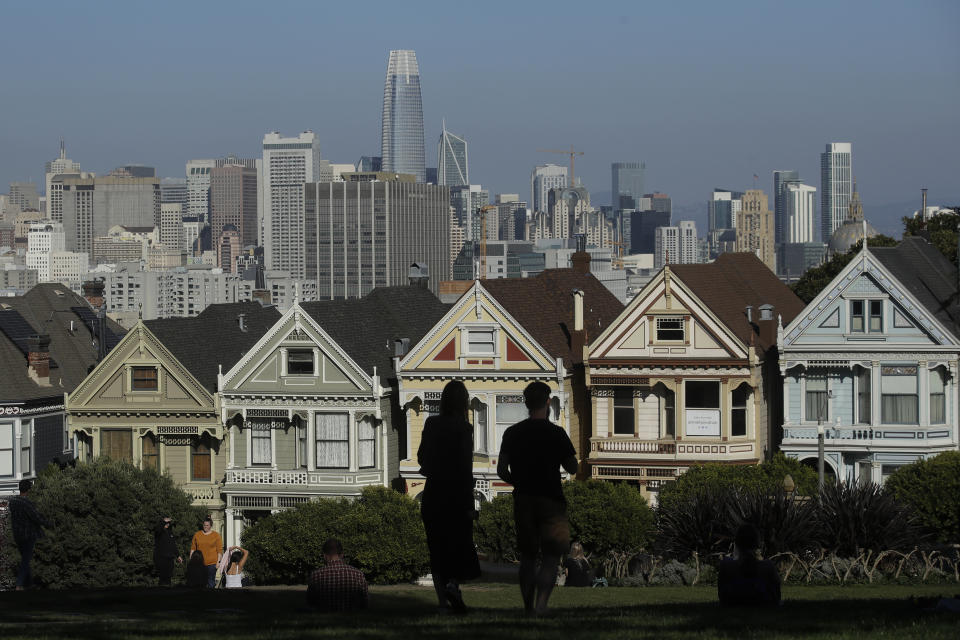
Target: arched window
(738, 410)
(938, 396)
(200, 460)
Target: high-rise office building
(466, 201)
(91, 206)
(233, 200)
(24, 195)
(799, 213)
(755, 228)
(171, 226)
(288, 163)
(676, 245)
(836, 187)
(643, 227)
(198, 188)
(780, 181)
(174, 191)
(627, 184)
(228, 248)
(366, 233)
(401, 132)
(543, 178)
(452, 167)
(62, 164)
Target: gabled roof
(49, 309)
(928, 275)
(366, 327)
(214, 338)
(734, 281)
(544, 307)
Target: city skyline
(891, 102)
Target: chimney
(419, 275)
(262, 296)
(749, 312)
(581, 259)
(401, 346)
(577, 310)
(93, 292)
(767, 325)
(241, 317)
(38, 359)
(578, 337)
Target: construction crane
(482, 256)
(570, 153)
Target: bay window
(817, 408)
(863, 395)
(898, 395)
(938, 398)
(333, 444)
(366, 443)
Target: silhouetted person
(745, 580)
(196, 571)
(165, 550)
(336, 586)
(446, 461)
(27, 525)
(530, 459)
(577, 568)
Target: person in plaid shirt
(336, 586)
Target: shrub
(608, 517)
(494, 531)
(696, 521)
(102, 515)
(864, 517)
(381, 532)
(932, 488)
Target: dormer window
(144, 379)
(300, 362)
(481, 342)
(670, 329)
(866, 316)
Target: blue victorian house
(872, 362)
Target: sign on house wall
(703, 422)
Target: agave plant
(852, 518)
(785, 523)
(698, 523)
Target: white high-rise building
(676, 245)
(288, 164)
(62, 164)
(198, 189)
(836, 187)
(799, 212)
(44, 238)
(543, 178)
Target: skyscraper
(755, 228)
(401, 133)
(676, 245)
(233, 201)
(198, 189)
(62, 164)
(836, 186)
(799, 213)
(780, 181)
(543, 178)
(288, 163)
(24, 195)
(92, 205)
(627, 184)
(453, 169)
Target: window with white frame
(669, 413)
(898, 394)
(300, 362)
(302, 445)
(738, 410)
(670, 329)
(261, 449)
(623, 412)
(702, 407)
(817, 406)
(6, 448)
(481, 342)
(366, 443)
(866, 316)
(480, 414)
(938, 397)
(26, 444)
(863, 395)
(333, 441)
(510, 410)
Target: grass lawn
(407, 612)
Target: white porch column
(875, 391)
(352, 430)
(311, 440)
(273, 448)
(923, 394)
(232, 444)
(228, 528)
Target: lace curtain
(333, 448)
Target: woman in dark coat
(165, 550)
(446, 461)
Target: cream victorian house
(497, 338)
(152, 401)
(310, 408)
(687, 373)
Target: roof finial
(140, 311)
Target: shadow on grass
(411, 613)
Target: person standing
(165, 550)
(446, 461)
(208, 542)
(531, 455)
(27, 526)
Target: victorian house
(687, 373)
(497, 338)
(871, 364)
(152, 401)
(49, 339)
(311, 409)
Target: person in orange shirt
(208, 542)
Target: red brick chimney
(38, 359)
(93, 292)
(581, 259)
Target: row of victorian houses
(252, 411)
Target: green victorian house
(152, 401)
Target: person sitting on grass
(336, 586)
(233, 573)
(577, 568)
(196, 571)
(746, 580)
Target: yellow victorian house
(497, 338)
(152, 401)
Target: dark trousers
(165, 570)
(211, 575)
(24, 577)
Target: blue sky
(706, 93)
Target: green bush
(767, 476)
(494, 532)
(608, 516)
(932, 488)
(853, 518)
(381, 532)
(102, 516)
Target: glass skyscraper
(452, 168)
(836, 187)
(627, 184)
(401, 139)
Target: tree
(940, 230)
(932, 488)
(816, 279)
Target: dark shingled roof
(544, 307)
(928, 275)
(214, 338)
(46, 308)
(366, 327)
(734, 281)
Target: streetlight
(820, 453)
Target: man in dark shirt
(26, 524)
(530, 459)
(336, 586)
